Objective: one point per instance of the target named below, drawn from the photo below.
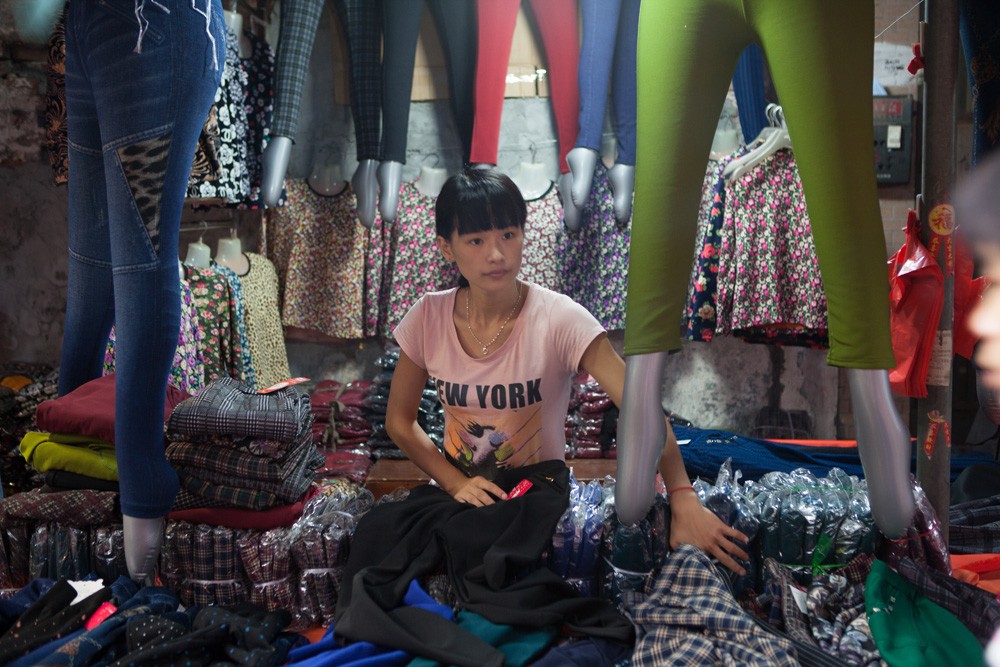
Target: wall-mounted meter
(893, 118)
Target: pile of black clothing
(430, 412)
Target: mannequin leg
(682, 79)
(557, 21)
(600, 19)
(362, 24)
(884, 448)
(642, 432)
(365, 185)
(572, 214)
(685, 59)
(621, 178)
(390, 179)
(830, 123)
(299, 20)
(453, 19)
(141, 141)
(495, 20)
(273, 168)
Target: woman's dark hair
(477, 200)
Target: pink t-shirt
(509, 408)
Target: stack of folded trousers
(234, 447)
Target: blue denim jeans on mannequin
(607, 58)
(141, 76)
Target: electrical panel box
(893, 118)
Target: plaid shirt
(227, 407)
(974, 527)
(362, 24)
(690, 618)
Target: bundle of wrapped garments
(591, 422)
(339, 410)
(235, 447)
(430, 413)
(296, 568)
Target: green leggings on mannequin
(820, 57)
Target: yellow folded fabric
(73, 453)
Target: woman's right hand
(477, 491)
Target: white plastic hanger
(776, 139)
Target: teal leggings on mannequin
(820, 56)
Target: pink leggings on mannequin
(558, 24)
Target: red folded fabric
(90, 409)
(232, 517)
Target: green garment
(912, 631)
(820, 56)
(73, 453)
(518, 645)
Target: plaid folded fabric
(227, 407)
(289, 488)
(241, 464)
(80, 507)
(222, 495)
(974, 527)
(691, 618)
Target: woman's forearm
(420, 449)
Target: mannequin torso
(327, 180)
(532, 180)
(199, 255)
(229, 253)
(430, 181)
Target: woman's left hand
(692, 523)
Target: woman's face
(489, 260)
(985, 319)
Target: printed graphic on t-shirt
(491, 427)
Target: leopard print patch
(144, 165)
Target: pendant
(485, 350)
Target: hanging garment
(416, 266)
(263, 321)
(259, 104)
(700, 314)
(247, 373)
(232, 177)
(540, 260)
(768, 268)
(595, 258)
(681, 55)
(916, 297)
(187, 372)
(377, 262)
(360, 22)
(220, 342)
(318, 248)
(55, 103)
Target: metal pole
(940, 48)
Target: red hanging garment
(916, 296)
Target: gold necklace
(468, 320)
